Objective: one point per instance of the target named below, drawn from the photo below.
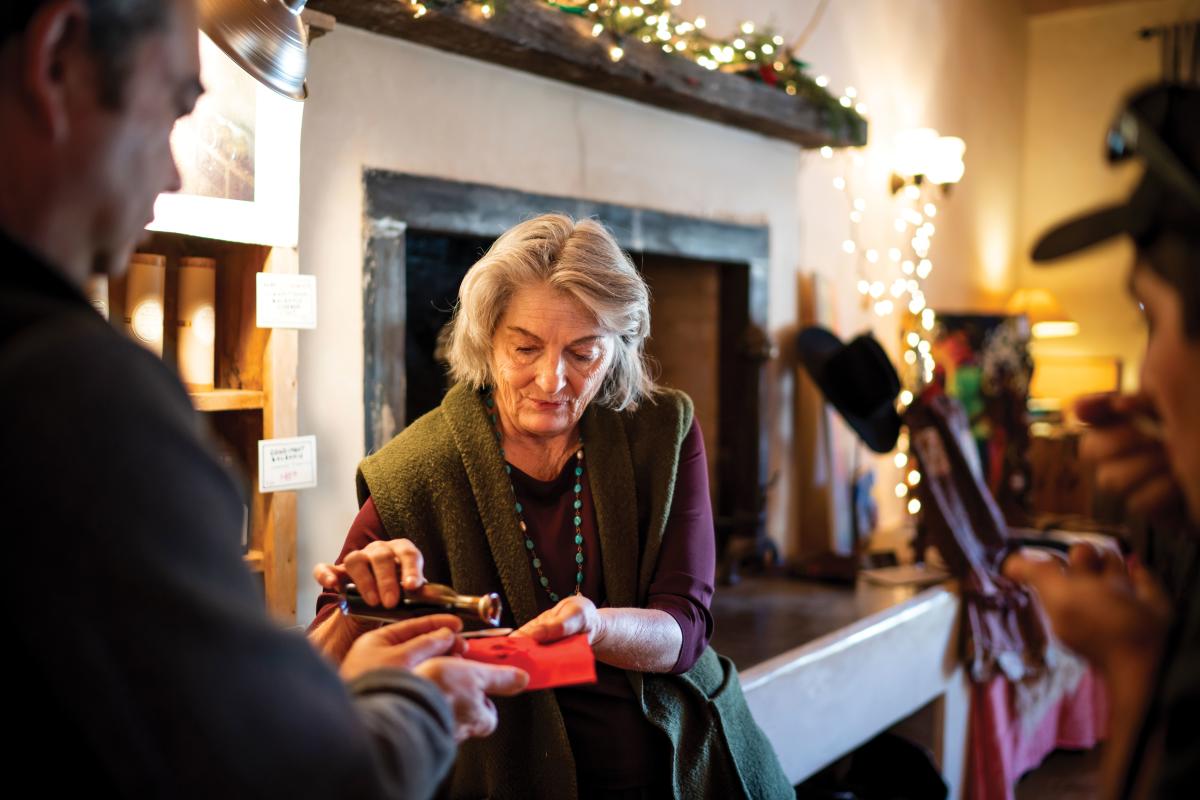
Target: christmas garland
(759, 54)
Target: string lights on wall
(891, 275)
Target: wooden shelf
(533, 37)
(256, 370)
(228, 400)
(254, 560)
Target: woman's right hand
(380, 570)
(1131, 461)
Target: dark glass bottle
(432, 598)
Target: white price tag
(285, 464)
(286, 301)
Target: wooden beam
(532, 37)
(318, 24)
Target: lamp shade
(1047, 319)
(914, 151)
(264, 37)
(926, 153)
(946, 161)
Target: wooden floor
(1063, 776)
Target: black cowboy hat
(1159, 126)
(859, 381)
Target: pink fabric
(1003, 747)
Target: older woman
(556, 472)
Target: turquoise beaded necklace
(490, 400)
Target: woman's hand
(1131, 461)
(379, 570)
(572, 615)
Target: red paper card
(563, 663)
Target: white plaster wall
(957, 65)
(1082, 64)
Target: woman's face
(1171, 378)
(549, 359)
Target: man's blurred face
(122, 151)
(1171, 378)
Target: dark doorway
(436, 266)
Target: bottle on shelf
(197, 323)
(96, 290)
(144, 300)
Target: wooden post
(280, 420)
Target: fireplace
(708, 286)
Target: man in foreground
(148, 665)
(1147, 449)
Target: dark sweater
(442, 484)
(148, 665)
(615, 747)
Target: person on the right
(1147, 450)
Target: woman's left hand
(573, 615)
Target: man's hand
(1114, 617)
(572, 615)
(1130, 458)
(428, 647)
(403, 645)
(466, 685)
(379, 570)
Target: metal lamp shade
(264, 37)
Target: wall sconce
(1047, 318)
(923, 156)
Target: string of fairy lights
(754, 51)
(890, 279)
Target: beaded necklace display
(490, 400)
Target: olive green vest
(442, 484)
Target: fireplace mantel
(538, 39)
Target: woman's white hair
(581, 259)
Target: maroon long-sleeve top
(614, 745)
